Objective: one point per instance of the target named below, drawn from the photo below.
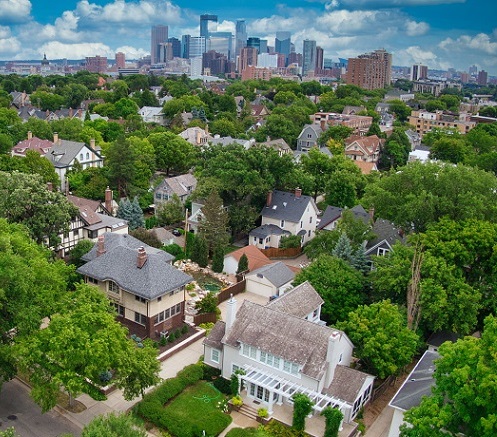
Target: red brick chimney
(92, 143)
(142, 257)
(269, 198)
(322, 124)
(298, 192)
(100, 245)
(108, 200)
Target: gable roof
(333, 213)
(277, 273)
(297, 340)
(267, 230)
(178, 184)
(34, 143)
(255, 257)
(64, 152)
(287, 206)
(367, 145)
(299, 301)
(347, 383)
(365, 167)
(316, 128)
(119, 264)
(385, 231)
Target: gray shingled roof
(67, 150)
(417, 384)
(178, 184)
(384, 230)
(347, 383)
(296, 340)
(214, 339)
(299, 301)
(267, 230)
(332, 213)
(277, 273)
(286, 206)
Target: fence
(204, 318)
(225, 294)
(274, 252)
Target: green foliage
(214, 225)
(207, 326)
(170, 212)
(333, 418)
(242, 264)
(290, 241)
(82, 247)
(399, 109)
(172, 153)
(340, 286)
(381, 337)
(131, 212)
(114, 425)
(218, 259)
(302, 407)
(262, 413)
(246, 432)
(343, 248)
(223, 385)
(462, 399)
(147, 237)
(9, 432)
(174, 249)
(208, 304)
(323, 243)
(200, 251)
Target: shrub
(333, 417)
(208, 304)
(262, 412)
(223, 385)
(163, 341)
(191, 374)
(302, 406)
(237, 401)
(184, 329)
(210, 372)
(207, 326)
(174, 249)
(177, 333)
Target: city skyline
(414, 31)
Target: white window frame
(215, 355)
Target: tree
(172, 152)
(381, 337)
(319, 166)
(453, 150)
(218, 259)
(340, 189)
(340, 286)
(78, 345)
(302, 407)
(37, 164)
(462, 402)
(170, 212)
(214, 225)
(114, 425)
(146, 236)
(290, 241)
(323, 243)
(333, 419)
(242, 264)
(200, 251)
(82, 248)
(208, 304)
(26, 199)
(399, 109)
(131, 212)
(343, 248)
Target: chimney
(92, 143)
(108, 200)
(30, 134)
(322, 123)
(100, 245)
(206, 129)
(70, 112)
(55, 138)
(371, 214)
(197, 138)
(298, 192)
(142, 257)
(230, 313)
(269, 198)
(332, 357)
(66, 187)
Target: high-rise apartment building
(120, 60)
(319, 59)
(96, 64)
(197, 47)
(263, 46)
(308, 56)
(295, 58)
(208, 23)
(254, 42)
(282, 43)
(221, 42)
(176, 46)
(159, 36)
(419, 72)
(473, 70)
(248, 57)
(185, 46)
(370, 70)
(240, 36)
(482, 78)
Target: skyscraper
(197, 47)
(159, 36)
(240, 36)
(176, 45)
(185, 46)
(282, 43)
(221, 42)
(319, 59)
(248, 56)
(120, 60)
(419, 71)
(370, 70)
(308, 56)
(482, 78)
(205, 28)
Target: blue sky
(438, 33)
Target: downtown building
(370, 70)
(158, 37)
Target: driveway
(18, 410)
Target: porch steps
(248, 411)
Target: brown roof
(371, 144)
(365, 167)
(34, 143)
(256, 258)
(347, 383)
(87, 208)
(299, 301)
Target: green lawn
(195, 410)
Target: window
(81, 157)
(290, 367)
(92, 234)
(310, 219)
(261, 241)
(87, 156)
(301, 224)
(340, 358)
(215, 355)
(91, 280)
(113, 287)
(140, 299)
(249, 351)
(75, 233)
(140, 318)
(159, 298)
(119, 309)
(382, 251)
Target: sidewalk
(381, 425)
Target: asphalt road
(18, 410)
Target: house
(359, 123)
(333, 214)
(282, 352)
(280, 145)
(285, 214)
(64, 154)
(256, 259)
(309, 137)
(226, 141)
(152, 114)
(270, 280)
(366, 149)
(31, 143)
(139, 280)
(196, 217)
(417, 384)
(414, 138)
(366, 167)
(182, 185)
(387, 234)
(196, 136)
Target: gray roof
(214, 339)
(384, 230)
(314, 127)
(181, 185)
(299, 301)
(418, 383)
(296, 340)
(276, 273)
(333, 213)
(107, 221)
(347, 383)
(267, 230)
(286, 206)
(67, 151)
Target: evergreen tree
(200, 251)
(124, 209)
(242, 264)
(343, 248)
(359, 260)
(214, 225)
(137, 220)
(218, 259)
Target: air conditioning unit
(164, 334)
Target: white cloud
(10, 45)
(64, 29)
(414, 28)
(57, 49)
(481, 42)
(14, 10)
(4, 32)
(394, 3)
(132, 52)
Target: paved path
(381, 425)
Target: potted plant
(236, 402)
(262, 414)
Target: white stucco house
(283, 349)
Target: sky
(438, 33)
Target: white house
(285, 214)
(152, 114)
(281, 353)
(270, 280)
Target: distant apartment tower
(185, 46)
(205, 27)
(370, 70)
(263, 46)
(248, 57)
(221, 42)
(96, 64)
(282, 43)
(308, 56)
(319, 59)
(256, 73)
(482, 78)
(240, 36)
(295, 58)
(197, 47)
(473, 70)
(464, 77)
(176, 46)
(419, 72)
(159, 36)
(120, 60)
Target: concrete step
(248, 411)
